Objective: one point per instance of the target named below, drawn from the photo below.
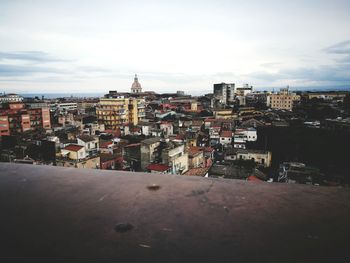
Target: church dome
(136, 86)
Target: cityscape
(233, 132)
(174, 131)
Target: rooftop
(73, 147)
(226, 134)
(158, 167)
(151, 140)
(87, 138)
(200, 171)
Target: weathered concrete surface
(51, 214)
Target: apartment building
(114, 112)
(163, 151)
(11, 97)
(15, 118)
(224, 92)
(282, 100)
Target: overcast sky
(96, 46)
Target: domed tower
(136, 86)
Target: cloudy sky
(96, 46)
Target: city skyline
(82, 46)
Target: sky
(94, 46)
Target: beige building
(262, 158)
(149, 152)
(282, 100)
(196, 157)
(75, 156)
(175, 157)
(114, 112)
(224, 114)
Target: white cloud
(186, 45)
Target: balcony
(53, 214)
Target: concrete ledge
(53, 214)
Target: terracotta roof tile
(73, 147)
(158, 167)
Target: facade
(4, 125)
(262, 158)
(224, 92)
(243, 91)
(10, 98)
(136, 86)
(196, 157)
(63, 107)
(75, 156)
(149, 149)
(226, 137)
(90, 143)
(282, 100)
(162, 151)
(174, 156)
(39, 118)
(16, 119)
(115, 112)
(226, 114)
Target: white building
(91, 144)
(226, 137)
(11, 97)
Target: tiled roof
(201, 171)
(208, 149)
(226, 134)
(158, 167)
(105, 144)
(194, 150)
(73, 147)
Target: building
(136, 86)
(226, 114)
(241, 136)
(39, 118)
(282, 100)
(90, 143)
(15, 119)
(115, 112)
(63, 107)
(226, 137)
(163, 151)
(75, 155)
(262, 158)
(173, 154)
(4, 125)
(11, 97)
(110, 161)
(196, 157)
(244, 90)
(224, 92)
(149, 152)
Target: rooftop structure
(136, 86)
